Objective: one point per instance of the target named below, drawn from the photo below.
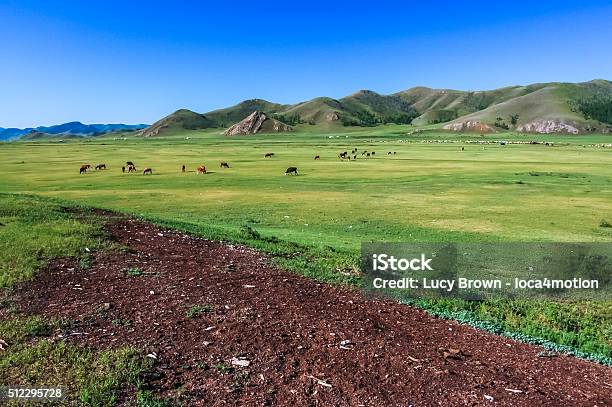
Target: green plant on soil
(197, 310)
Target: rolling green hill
(549, 108)
(370, 108)
(442, 105)
(538, 108)
(231, 115)
(182, 119)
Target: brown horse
(201, 169)
(84, 168)
(131, 168)
(147, 171)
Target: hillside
(540, 108)
(546, 108)
(370, 108)
(315, 111)
(442, 105)
(228, 116)
(182, 119)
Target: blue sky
(135, 61)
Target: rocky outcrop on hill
(470, 125)
(258, 122)
(547, 126)
(332, 117)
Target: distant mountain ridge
(69, 129)
(538, 108)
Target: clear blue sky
(132, 61)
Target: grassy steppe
(428, 191)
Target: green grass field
(428, 191)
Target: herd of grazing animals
(131, 167)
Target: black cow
(291, 170)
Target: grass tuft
(198, 310)
(134, 271)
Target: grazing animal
(183, 168)
(201, 169)
(367, 154)
(147, 171)
(343, 154)
(389, 153)
(462, 148)
(101, 167)
(373, 152)
(364, 152)
(123, 169)
(128, 163)
(224, 164)
(84, 168)
(269, 155)
(394, 153)
(291, 170)
(317, 157)
(355, 157)
(131, 168)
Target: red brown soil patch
(292, 330)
